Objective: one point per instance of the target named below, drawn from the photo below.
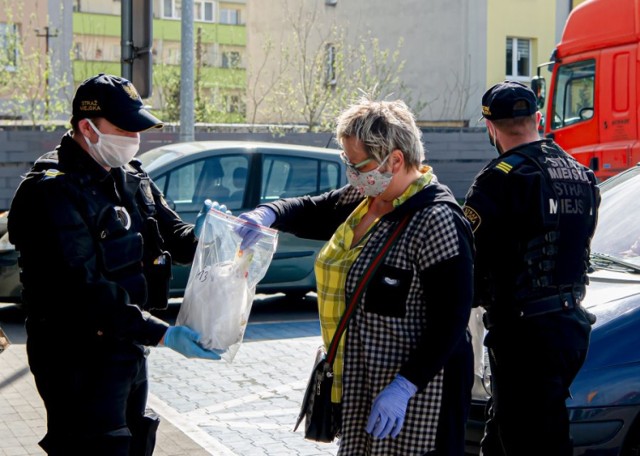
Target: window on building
(229, 16)
(203, 11)
(173, 56)
(330, 65)
(210, 55)
(230, 59)
(232, 103)
(518, 58)
(78, 54)
(171, 9)
(9, 39)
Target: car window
(211, 178)
(618, 233)
(284, 176)
(181, 182)
(329, 176)
(236, 172)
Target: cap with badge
(507, 100)
(115, 99)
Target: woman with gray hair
(404, 371)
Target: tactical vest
(555, 260)
(127, 238)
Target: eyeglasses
(354, 166)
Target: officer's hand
(248, 231)
(202, 215)
(389, 408)
(184, 340)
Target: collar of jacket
(432, 193)
(73, 158)
(542, 141)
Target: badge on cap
(131, 91)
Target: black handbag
(321, 425)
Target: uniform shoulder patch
(507, 164)
(472, 215)
(52, 174)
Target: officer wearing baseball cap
(115, 99)
(533, 211)
(96, 241)
(507, 100)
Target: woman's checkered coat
(411, 319)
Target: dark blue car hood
(610, 375)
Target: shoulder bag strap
(362, 283)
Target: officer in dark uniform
(533, 211)
(96, 241)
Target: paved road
(244, 408)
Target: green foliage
(27, 79)
(213, 98)
(166, 83)
(218, 92)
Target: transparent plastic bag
(222, 282)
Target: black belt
(547, 305)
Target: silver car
(242, 175)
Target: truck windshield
(574, 93)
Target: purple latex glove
(249, 232)
(389, 408)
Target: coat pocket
(388, 291)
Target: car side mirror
(539, 87)
(586, 113)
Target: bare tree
(325, 71)
(260, 84)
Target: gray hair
(382, 126)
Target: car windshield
(616, 243)
(156, 157)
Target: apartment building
(32, 59)
(451, 50)
(83, 37)
(448, 51)
(220, 40)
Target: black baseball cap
(499, 102)
(115, 99)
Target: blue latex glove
(208, 204)
(389, 408)
(249, 232)
(185, 341)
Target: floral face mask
(371, 183)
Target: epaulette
(52, 173)
(507, 164)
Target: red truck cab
(594, 105)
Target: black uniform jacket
(533, 212)
(94, 249)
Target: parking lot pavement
(247, 407)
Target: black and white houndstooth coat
(411, 319)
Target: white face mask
(112, 151)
